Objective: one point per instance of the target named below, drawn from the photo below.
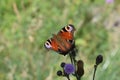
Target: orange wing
(66, 35)
(51, 44)
(67, 32)
(62, 41)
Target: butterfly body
(62, 42)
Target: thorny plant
(76, 67)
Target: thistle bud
(59, 73)
(62, 64)
(99, 59)
(80, 68)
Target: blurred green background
(26, 24)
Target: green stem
(71, 58)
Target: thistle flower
(109, 1)
(69, 68)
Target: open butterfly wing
(54, 44)
(66, 35)
(63, 42)
(67, 32)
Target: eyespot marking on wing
(69, 28)
(47, 44)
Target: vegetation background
(26, 24)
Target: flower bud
(62, 64)
(80, 69)
(99, 59)
(59, 73)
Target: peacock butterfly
(63, 41)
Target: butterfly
(63, 41)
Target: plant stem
(71, 58)
(73, 61)
(95, 68)
(68, 77)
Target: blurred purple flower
(69, 68)
(109, 1)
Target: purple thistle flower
(69, 68)
(109, 1)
